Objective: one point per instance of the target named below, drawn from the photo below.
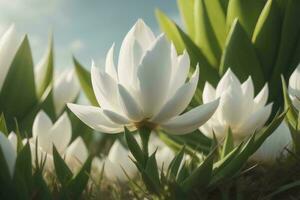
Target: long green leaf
(247, 12)
(240, 56)
(18, 94)
(169, 27)
(266, 36)
(186, 9)
(84, 77)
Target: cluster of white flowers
(148, 87)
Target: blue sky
(86, 29)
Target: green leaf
(247, 12)
(186, 9)
(169, 27)
(47, 62)
(228, 144)
(266, 36)
(84, 78)
(217, 19)
(41, 190)
(175, 164)
(18, 95)
(283, 189)
(24, 165)
(240, 56)
(291, 114)
(64, 174)
(205, 36)
(201, 176)
(288, 41)
(80, 181)
(151, 170)
(208, 73)
(134, 147)
(3, 127)
(296, 58)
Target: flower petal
(176, 104)
(110, 67)
(229, 79)
(191, 120)
(154, 76)
(116, 118)
(209, 93)
(254, 122)
(130, 107)
(76, 154)
(12, 137)
(61, 133)
(95, 118)
(262, 97)
(41, 125)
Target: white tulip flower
(65, 89)
(9, 153)
(238, 110)
(9, 44)
(294, 88)
(274, 145)
(12, 137)
(147, 88)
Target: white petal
(262, 97)
(274, 145)
(66, 89)
(8, 152)
(154, 76)
(116, 118)
(232, 105)
(105, 89)
(95, 118)
(61, 133)
(191, 120)
(130, 107)
(178, 103)
(110, 67)
(254, 122)
(9, 44)
(76, 154)
(41, 125)
(294, 82)
(248, 89)
(136, 42)
(12, 137)
(229, 79)
(180, 72)
(117, 160)
(209, 93)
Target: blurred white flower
(147, 88)
(117, 161)
(239, 110)
(12, 137)
(76, 154)
(294, 88)
(9, 44)
(47, 134)
(65, 89)
(9, 153)
(274, 145)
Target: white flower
(9, 153)
(147, 88)
(9, 44)
(12, 137)
(65, 89)
(274, 145)
(76, 154)
(47, 134)
(239, 110)
(117, 161)
(294, 88)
